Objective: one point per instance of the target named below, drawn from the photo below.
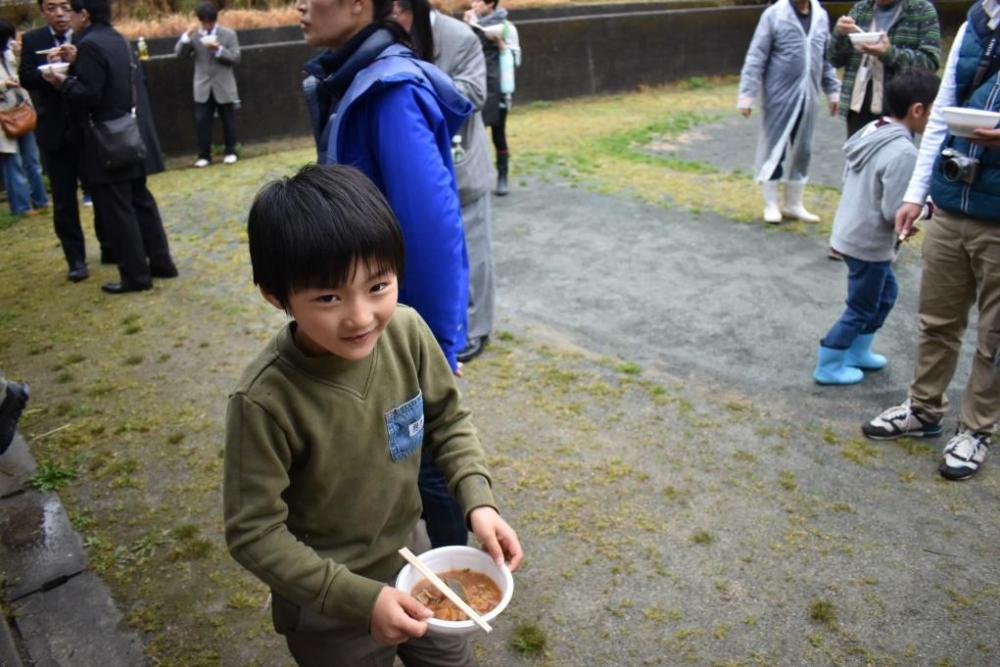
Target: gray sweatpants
(476, 218)
(315, 640)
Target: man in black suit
(99, 88)
(60, 152)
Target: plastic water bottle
(506, 72)
(457, 150)
(143, 48)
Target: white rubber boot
(792, 207)
(772, 213)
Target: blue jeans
(443, 515)
(22, 175)
(871, 294)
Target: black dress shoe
(473, 348)
(123, 288)
(170, 272)
(78, 272)
(10, 411)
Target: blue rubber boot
(831, 368)
(860, 354)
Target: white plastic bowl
(209, 39)
(457, 558)
(859, 38)
(961, 121)
(58, 68)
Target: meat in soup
(481, 593)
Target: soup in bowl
(481, 579)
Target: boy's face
(345, 321)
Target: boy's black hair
(207, 11)
(99, 10)
(308, 231)
(909, 87)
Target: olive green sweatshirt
(322, 457)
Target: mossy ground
(663, 521)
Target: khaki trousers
(961, 257)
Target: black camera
(958, 167)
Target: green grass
(52, 476)
(529, 640)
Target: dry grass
(148, 19)
(171, 25)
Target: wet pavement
(58, 614)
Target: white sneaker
(964, 454)
(230, 159)
(201, 162)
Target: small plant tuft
(51, 477)
(823, 612)
(528, 639)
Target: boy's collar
(330, 368)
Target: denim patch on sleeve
(406, 428)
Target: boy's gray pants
(315, 640)
(476, 220)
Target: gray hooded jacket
(880, 160)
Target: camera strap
(989, 63)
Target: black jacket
(53, 124)
(100, 87)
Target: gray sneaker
(901, 421)
(964, 454)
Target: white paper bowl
(961, 121)
(457, 558)
(209, 39)
(58, 68)
(859, 38)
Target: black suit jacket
(53, 123)
(100, 87)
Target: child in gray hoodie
(880, 160)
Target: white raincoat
(786, 68)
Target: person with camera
(961, 255)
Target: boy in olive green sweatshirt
(325, 430)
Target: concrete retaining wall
(604, 50)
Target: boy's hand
(398, 617)
(907, 214)
(496, 536)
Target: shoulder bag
(19, 119)
(118, 142)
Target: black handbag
(118, 142)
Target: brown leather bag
(19, 119)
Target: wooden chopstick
(443, 587)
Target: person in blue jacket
(377, 107)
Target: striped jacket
(914, 41)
